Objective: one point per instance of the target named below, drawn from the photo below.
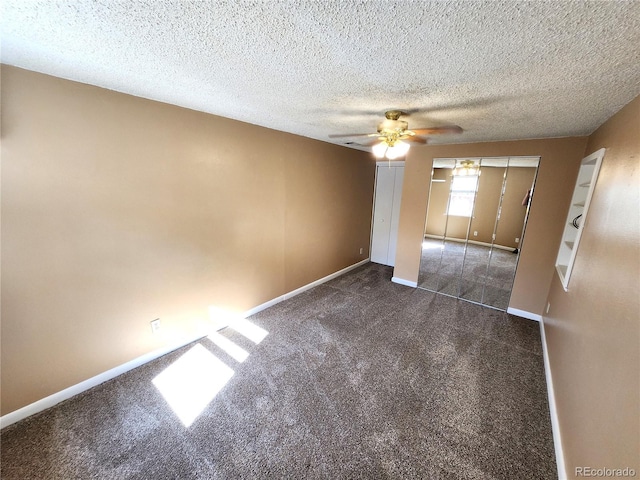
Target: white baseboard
(495, 245)
(555, 426)
(402, 281)
(58, 397)
(304, 288)
(475, 242)
(524, 314)
(73, 390)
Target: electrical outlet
(361, 250)
(548, 307)
(155, 325)
(475, 233)
(517, 239)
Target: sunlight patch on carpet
(250, 330)
(239, 354)
(432, 245)
(222, 317)
(191, 382)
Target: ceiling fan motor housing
(388, 127)
(391, 130)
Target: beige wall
(559, 163)
(486, 206)
(593, 329)
(436, 220)
(117, 210)
(519, 181)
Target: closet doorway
(475, 225)
(386, 212)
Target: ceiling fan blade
(368, 143)
(345, 135)
(437, 130)
(415, 139)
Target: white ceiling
(500, 69)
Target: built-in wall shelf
(577, 215)
(562, 269)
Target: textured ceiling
(501, 69)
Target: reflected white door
(386, 214)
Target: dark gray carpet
(477, 274)
(357, 378)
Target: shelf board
(585, 184)
(569, 244)
(563, 269)
(579, 204)
(436, 180)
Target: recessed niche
(577, 215)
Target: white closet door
(386, 214)
(395, 216)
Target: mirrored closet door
(476, 218)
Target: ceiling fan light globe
(398, 150)
(392, 154)
(379, 150)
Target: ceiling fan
(391, 140)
